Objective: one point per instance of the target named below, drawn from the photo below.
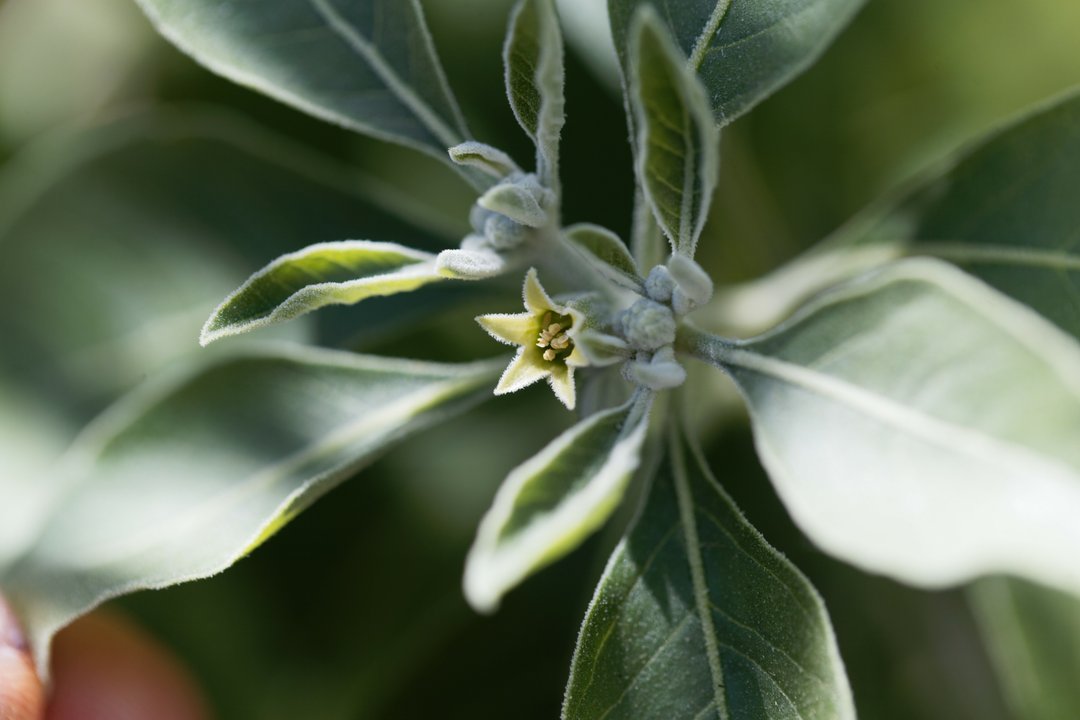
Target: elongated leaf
(549, 504)
(605, 252)
(697, 617)
(743, 50)
(1006, 212)
(677, 146)
(116, 243)
(336, 273)
(366, 64)
(533, 59)
(1033, 635)
(920, 424)
(181, 480)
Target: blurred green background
(355, 610)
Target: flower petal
(561, 380)
(522, 371)
(536, 298)
(518, 329)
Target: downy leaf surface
(335, 273)
(1033, 636)
(369, 65)
(187, 475)
(549, 504)
(920, 424)
(743, 50)
(677, 146)
(698, 617)
(1005, 212)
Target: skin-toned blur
(103, 668)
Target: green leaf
(533, 59)
(920, 424)
(335, 273)
(742, 50)
(516, 203)
(1033, 635)
(1006, 212)
(606, 253)
(490, 160)
(697, 616)
(677, 146)
(548, 505)
(368, 65)
(185, 477)
(1003, 211)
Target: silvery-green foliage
(918, 420)
(743, 50)
(369, 65)
(697, 616)
(883, 408)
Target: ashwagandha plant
(913, 383)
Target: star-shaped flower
(545, 333)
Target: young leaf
(743, 50)
(533, 59)
(179, 481)
(547, 506)
(917, 423)
(368, 65)
(605, 252)
(677, 146)
(1033, 635)
(696, 616)
(335, 273)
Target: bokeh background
(136, 189)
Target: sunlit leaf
(743, 50)
(1004, 211)
(677, 146)
(369, 65)
(336, 273)
(116, 243)
(553, 501)
(920, 424)
(186, 476)
(696, 616)
(533, 59)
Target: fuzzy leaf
(183, 478)
(336, 273)
(1033, 635)
(516, 203)
(548, 505)
(677, 146)
(1006, 212)
(368, 65)
(697, 617)
(743, 50)
(118, 241)
(920, 424)
(533, 60)
(606, 252)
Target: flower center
(553, 338)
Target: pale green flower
(545, 333)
